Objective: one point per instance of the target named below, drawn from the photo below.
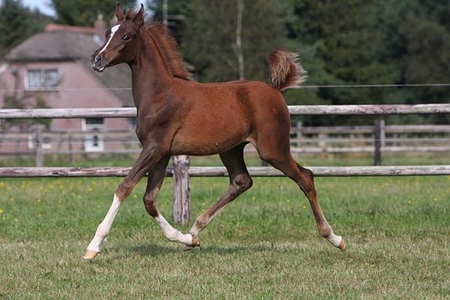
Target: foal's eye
(126, 37)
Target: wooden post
(323, 141)
(379, 136)
(38, 128)
(70, 148)
(181, 200)
(299, 134)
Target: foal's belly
(208, 139)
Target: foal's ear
(138, 19)
(120, 12)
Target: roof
(70, 43)
(53, 45)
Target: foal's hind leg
(305, 180)
(154, 183)
(240, 181)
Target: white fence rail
(320, 139)
(294, 110)
(220, 171)
(26, 172)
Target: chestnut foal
(176, 115)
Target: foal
(176, 115)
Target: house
(52, 69)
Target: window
(91, 124)
(46, 142)
(94, 141)
(43, 79)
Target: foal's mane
(168, 46)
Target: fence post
(298, 133)
(323, 141)
(379, 136)
(69, 140)
(38, 128)
(181, 199)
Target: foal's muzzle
(97, 62)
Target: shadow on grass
(155, 250)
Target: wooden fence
(317, 139)
(182, 207)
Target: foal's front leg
(154, 183)
(145, 162)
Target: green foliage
(347, 46)
(428, 57)
(373, 43)
(12, 101)
(207, 36)
(17, 23)
(347, 43)
(42, 103)
(15, 102)
(85, 12)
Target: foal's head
(121, 40)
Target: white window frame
(94, 140)
(45, 79)
(46, 142)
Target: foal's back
(214, 118)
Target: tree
(348, 45)
(16, 102)
(85, 12)
(208, 36)
(354, 42)
(17, 23)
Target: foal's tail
(285, 71)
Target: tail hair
(285, 71)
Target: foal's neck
(150, 73)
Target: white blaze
(113, 30)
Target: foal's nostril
(97, 62)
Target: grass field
(263, 246)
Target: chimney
(99, 29)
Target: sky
(42, 5)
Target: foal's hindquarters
(273, 145)
(268, 128)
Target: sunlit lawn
(263, 246)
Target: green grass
(263, 246)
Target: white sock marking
(171, 233)
(335, 239)
(113, 30)
(105, 226)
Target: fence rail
(182, 213)
(221, 171)
(321, 139)
(312, 110)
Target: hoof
(342, 245)
(195, 243)
(90, 254)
